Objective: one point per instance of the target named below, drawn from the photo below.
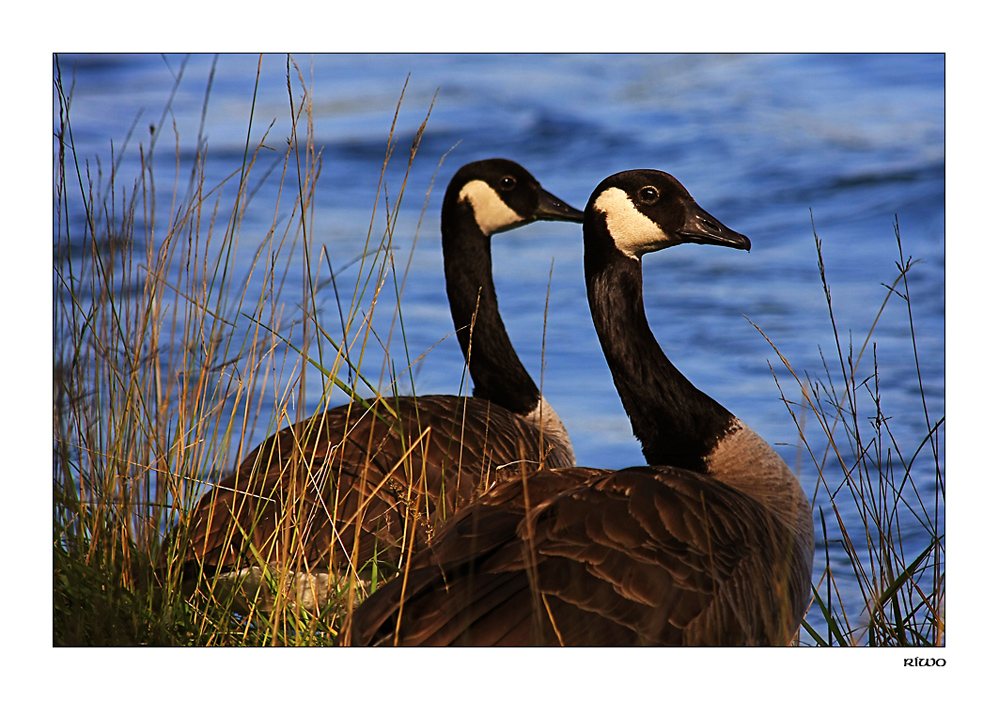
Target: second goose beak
(701, 227)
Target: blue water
(775, 146)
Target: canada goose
(710, 544)
(345, 488)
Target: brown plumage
(298, 498)
(342, 493)
(709, 545)
(640, 556)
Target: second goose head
(641, 211)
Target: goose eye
(648, 195)
(508, 182)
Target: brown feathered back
(333, 493)
(642, 556)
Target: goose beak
(701, 227)
(551, 208)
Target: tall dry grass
(876, 508)
(167, 356)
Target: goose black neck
(675, 422)
(496, 371)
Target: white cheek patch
(633, 232)
(491, 213)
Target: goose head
(641, 211)
(502, 195)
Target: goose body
(711, 543)
(335, 495)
